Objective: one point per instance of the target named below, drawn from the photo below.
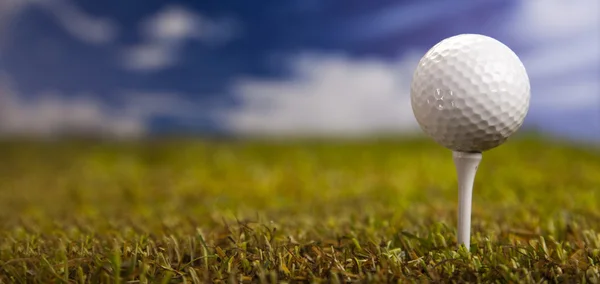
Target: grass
(209, 211)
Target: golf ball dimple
(470, 93)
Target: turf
(308, 211)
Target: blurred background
(128, 69)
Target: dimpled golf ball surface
(470, 93)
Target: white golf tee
(466, 168)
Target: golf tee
(466, 169)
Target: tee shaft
(466, 169)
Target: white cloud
(51, 114)
(569, 96)
(555, 19)
(172, 24)
(71, 18)
(80, 24)
(562, 57)
(146, 104)
(564, 39)
(8, 10)
(150, 57)
(166, 32)
(397, 19)
(176, 23)
(329, 95)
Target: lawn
(196, 211)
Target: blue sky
(282, 67)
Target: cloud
(563, 60)
(563, 57)
(79, 24)
(580, 93)
(72, 19)
(327, 95)
(49, 115)
(150, 57)
(176, 23)
(166, 32)
(542, 20)
(336, 95)
(566, 44)
(8, 10)
(394, 20)
(52, 114)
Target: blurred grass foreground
(264, 212)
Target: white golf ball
(470, 93)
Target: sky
(133, 68)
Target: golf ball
(470, 93)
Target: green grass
(379, 211)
